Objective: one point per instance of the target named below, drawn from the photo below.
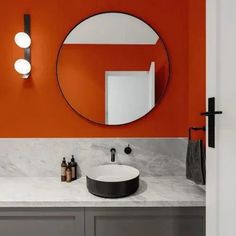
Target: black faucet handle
(128, 150)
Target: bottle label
(73, 172)
(63, 171)
(68, 176)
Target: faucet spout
(113, 154)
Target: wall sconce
(23, 40)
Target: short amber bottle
(68, 173)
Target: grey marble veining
(159, 191)
(41, 157)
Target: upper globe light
(22, 66)
(23, 40)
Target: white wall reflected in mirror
(129, 95)
(112, 28)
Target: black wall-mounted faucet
(113, 154)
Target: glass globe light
(23, 40)
(22, 66)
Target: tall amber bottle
(63, 170)
(73, 165)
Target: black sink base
(112, 189)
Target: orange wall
(197, 82)
(36, 108)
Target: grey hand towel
(195, 162)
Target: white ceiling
(112, 28)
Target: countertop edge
(99, 204)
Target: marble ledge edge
(90, 204)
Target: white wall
(227, 122)
(129, 95)
(112, 28)
(221, 83)
(151, 86)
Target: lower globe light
(22, 66)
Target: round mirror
(113, 68)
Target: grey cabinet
(41, 222)
(170, 221)
(145, 221)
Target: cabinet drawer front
(41, 222)
(140, 222)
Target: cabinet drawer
(49, 222)
(145, 221)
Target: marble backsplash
(41, 157)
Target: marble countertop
(160, 191)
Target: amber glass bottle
(68, 173)
(63, 170)
(73, 165)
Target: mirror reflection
(113, 68)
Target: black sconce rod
(27, 51)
